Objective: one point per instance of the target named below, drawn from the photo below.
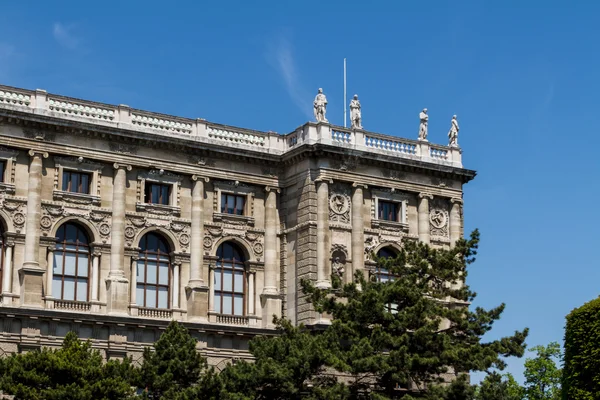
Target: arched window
(153, 272)
(382, 274)
(230, 280)
(70, 279)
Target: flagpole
(344, 92)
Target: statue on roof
(355, 114)
(320, 106)
(423, 126)
(453, 133)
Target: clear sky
(523, 78)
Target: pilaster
(270, 298)
(358, 229)
(423, 210)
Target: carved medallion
(129, 232)
(207, 242)
(19, 218)
(258, 248)
(104, 229)
(438, 218)
(46, 222)
(184, 239)
(338, 203)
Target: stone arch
(6, 223)
(171, 239)
(88, 227)
(392, 245)
(244, 246)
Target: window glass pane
(85, 184)
(230, 204)
(227, 303)
(82, 265)
(2, 169)
(151, 272)
(217, 302)
(141, 277)
(69, 289)
(163, 296)
(82, 287)
(58, 263)
(66, 179)
(238, 304)
(56, 286)
(165, 195)
(152, 243)
(227, 251)
(227, 281)
(239, 282)
(163, 274)
(163, 246)
(155, 193)
(223, 202)
(139, 296)
(239, 205)
(71, 233)
(70, 259)
(218, 280)
(151, 297)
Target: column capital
(51, 249)
(423, 195)
(321, 179)
(198, 177)
(456, 200)
(360, 185)
(34, 153)
(96, 252)
(269, 188)
(10, 243)
(124, 166)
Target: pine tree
(499, 387)
(75, 371)
(173, 368)
(404, 336)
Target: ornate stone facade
(115, 221)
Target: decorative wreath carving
(438, 218)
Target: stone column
(50, 271)
(455, 220)
(323, 265)
(95, 273)
(211, 290)
(358, 230)
(423, 210)
(7, 272)
(270, 299)
(197, 289)
(133, 287)
(31, 274)
(116, 283)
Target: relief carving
(439, 218)
(339, 204)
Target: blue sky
(523, 79)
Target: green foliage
(542, 375)
(426, 333)
(581, 379)
(289, 365)
(173, 369)
(75, 371)
(499, 387)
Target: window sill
(233, 219)
(158, 209)
(7, 188)
(76, 198)
(389, 225)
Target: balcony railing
(40, 103)
(158, 313)
(232, 319)
(75, 306)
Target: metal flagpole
(344, 92)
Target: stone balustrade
(158, 313)
(39, 102)
(74, 306)
(231, 319)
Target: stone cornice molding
(127, 167)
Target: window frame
(378, 272)
(235, 196)
(390, 196)
(7, 179)
(159, 177)
(82, 166)
(79, 174)
(237, 189)
(148, 185)
(63, 251)
(220, 268)
(143, 256)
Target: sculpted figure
(320, 106)
(453, 133)
(423, 126)
(355, 114)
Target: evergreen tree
(174, 369)
(406, 335)
(75, 371)
(499, 387)
(542, 375)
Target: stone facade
(115, 220)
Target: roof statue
(453, 133)
(423, 126)
(355, 113)
(320, 106)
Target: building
(115, 220)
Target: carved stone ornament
(207, 242)
(348, 163)
(257, 248)
(438, 218)
(339, 205)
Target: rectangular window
(389, 211)
(232, 204)
(157, 193)
(2, 170)
(76, 182)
